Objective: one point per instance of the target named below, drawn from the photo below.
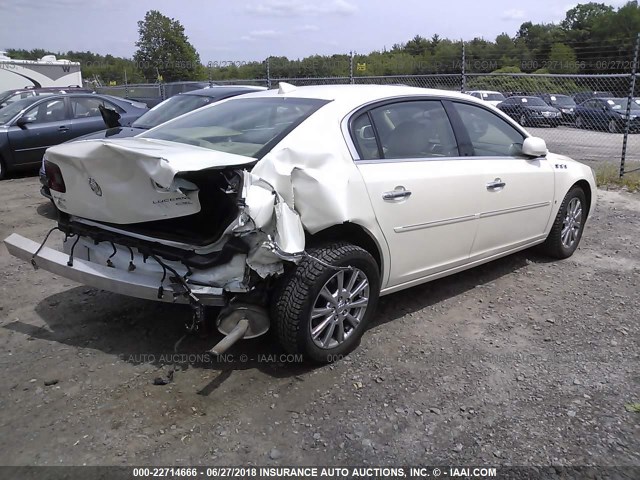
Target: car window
(248, 127)
(364, 138)
(84, 107)
(50, 111)
(490, 135)
(415, 129)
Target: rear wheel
(523, 120)
(579, 122)
(3, 169)
(613, 126)
(567, 228)
(325, 303)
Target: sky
(248, 30)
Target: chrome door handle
(399, 192)
(496, 184)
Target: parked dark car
(29, 126)
(9, 96)
(529, 110)
(564, 103)
(608, 114)
(171, 108)
(584, 96)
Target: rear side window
(490, 135)
(413, 129)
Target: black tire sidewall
(367, 265)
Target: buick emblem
(95, 187)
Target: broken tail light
(54, 177)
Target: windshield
(11, 110)
(563, 101)
(493, 97)
(171, 108)
(535, 101)
(239, 126)
(618, 104)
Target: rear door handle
(399, 192)
(63, 128)
(497, 184)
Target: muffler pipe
(227, 342)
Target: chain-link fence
(592, 118)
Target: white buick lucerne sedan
(296, 208)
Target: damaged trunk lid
(139, 181)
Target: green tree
(562, 59)
(164, 50)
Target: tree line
(593, 38)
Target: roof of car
(355, 95)
(218, 90)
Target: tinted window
(490, 135)
(418, 129)
(51, 111)
(239, 126)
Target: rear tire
(613, 126)
(568, 226)
(322, 312)
(3, 169)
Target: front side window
(414, 129)
(50, 111)
(490, 135)
(242, 126)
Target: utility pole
(351, 81)
(268, 62)
(463, 83)
(632, 87)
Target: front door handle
(63, 128)
(399, 192)
(497, 184)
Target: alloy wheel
(339, 308)
(572, 223)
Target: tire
(557, 244)
(523, 120)
(300, 293)
(3, 169)
(579, 122)
(613, 126)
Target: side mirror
(534, 147)
(110, 117)
(23, 121)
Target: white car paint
(484, 94)
(451, 221)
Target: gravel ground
(519, 362)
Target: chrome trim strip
(435, 223)
(466, 218)
(514, 209)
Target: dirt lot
(521, 362)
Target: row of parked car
(32, 120)
(598, 110)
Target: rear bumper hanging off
(132, 284)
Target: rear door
(423, 190)
(85, 114)
(516, 192)
(50, 125)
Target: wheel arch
(586, 188)
(352, 233)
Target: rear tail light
(54, 177)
